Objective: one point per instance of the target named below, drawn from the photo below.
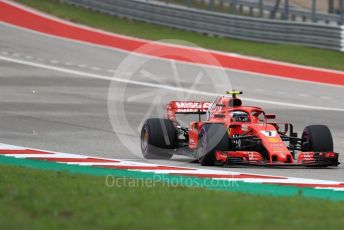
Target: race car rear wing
(186, 107)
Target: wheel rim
(202, 147)
(144, 140)
(306, 141)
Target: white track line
(166, 87)
(249, 73)
(229, 54)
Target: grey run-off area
(60, 111)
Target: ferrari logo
(273, 139)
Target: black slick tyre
(158, 138)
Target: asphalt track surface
(55, 94)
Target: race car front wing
(308, 159)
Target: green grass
(32, 199)
(287, 53)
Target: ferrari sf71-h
(233, 134)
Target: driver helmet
(239, 116)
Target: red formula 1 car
(233, 134)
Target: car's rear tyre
(212, 138)
(158, 138)
(317, 138)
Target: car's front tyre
(317, 138)
(212, 138)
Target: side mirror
(270, 116)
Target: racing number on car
(237, 142)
